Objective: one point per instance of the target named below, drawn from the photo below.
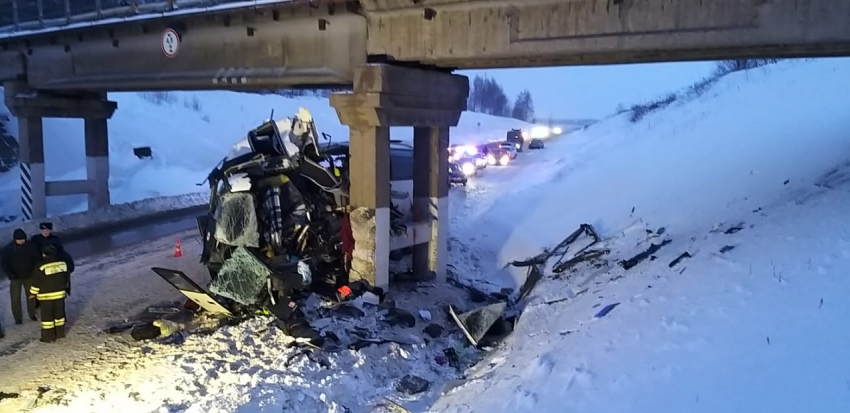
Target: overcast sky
(595, 91)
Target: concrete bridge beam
(495, 33)
(388, 96)
(31, 107)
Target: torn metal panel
(191, 290)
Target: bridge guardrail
(19, 15)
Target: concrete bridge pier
(387, 96)
(31, 107)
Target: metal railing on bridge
(20, 15)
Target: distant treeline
(487, 96)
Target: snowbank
(188, 133)
(115, 214)
(757, 328)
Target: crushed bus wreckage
(278, 230)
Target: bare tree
(523, 107)
(487, 96)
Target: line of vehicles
(467, 160)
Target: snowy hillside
(755, 327)
(188, 132)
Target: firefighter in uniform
(48, 287)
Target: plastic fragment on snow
(168, 327)
(734, 229)
(399, 317)
(637, 259)
(425, 315)
(433, 330)
(679, 259)
(605, 310)
(476, 323)
(370, 298)
(533, 276)
(410, 384)
(348, 310)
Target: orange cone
(177, 251)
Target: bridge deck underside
(286, 44)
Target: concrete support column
(369, 199)
(430, 199)
(30, 107)
(31, 158)
(386, 96)
(97, 162)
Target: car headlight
(504, 160)
(491, 159)
(539, 132)
(517, 146)
(557, 130)
(468, 168)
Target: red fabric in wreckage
(347, 238)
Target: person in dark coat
(48, 287)
(47, 237)
(19, 259)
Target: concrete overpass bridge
(58, 58)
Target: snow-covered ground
(758, 327)
(188, 133)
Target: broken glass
(236, 223)
(242, 277)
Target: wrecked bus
(278, 225)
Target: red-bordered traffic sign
(170, 43)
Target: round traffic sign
(170, 43)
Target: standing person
(46, 236)
(48, 287)
(19, 259)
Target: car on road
(510, 148)
(461, 154)
(468, 165)
(535, 144)
(456, 175)
(499, 157)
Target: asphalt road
(127, 235)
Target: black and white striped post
(26, 191)
(31, 155)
